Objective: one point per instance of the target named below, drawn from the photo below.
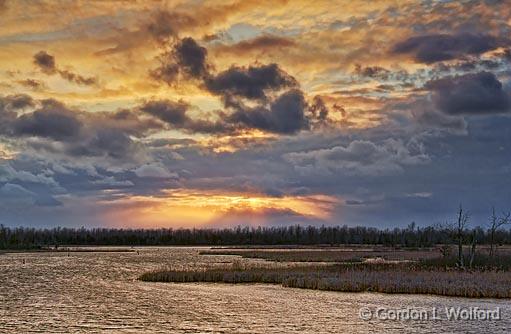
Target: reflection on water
(99, 293)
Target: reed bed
(446, 283)
(395, 278)
(414, 272)
(328, 255)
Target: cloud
(372, 71)
(251, 82)
(9, 106)
(165, 24)
(439, 120)
(45, 62)
(106, 142)
(239, 87)
(427, 117)
(360, 157)
(76, 78)
(17, 101)
(32, 83)
(186, 60)
(438, 47)
(286, 114)
(111, 182)
(53, 120)
(168, 111)
(10, 174)
(16, 195)
(471, 94)
(55, 128)
(261, 216)
(174, 115)
(318, 108)
(259, 44)
(153, 170)
(47, 65)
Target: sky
(223, 113)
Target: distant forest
(411, 236)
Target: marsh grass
(355, 278)
(71, 250)
(328, 255)
(413, 272)
(482, 262)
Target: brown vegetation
(384, 278)
(417, 272)
(328, 254)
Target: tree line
(494, 234)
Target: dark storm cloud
(78, 133)
(46, 64)
(191, 58)
(286, 115)
(240, 88)
(187, 59)
(105, 142)
(250, 82)
(425, 116)
(476, 93)
(168, 111)
(9, 107)
(53, 120)
(174, 114)
(438, 47)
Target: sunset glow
(188, 207)
(205, 113)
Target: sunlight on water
(98, 292)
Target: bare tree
(495, 224)
(462, 222)
(473, 243)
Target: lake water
(99, 293)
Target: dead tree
(473, 244)
(461, 225)
(495, 224)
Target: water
(99, 293)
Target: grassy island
(400, 271)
